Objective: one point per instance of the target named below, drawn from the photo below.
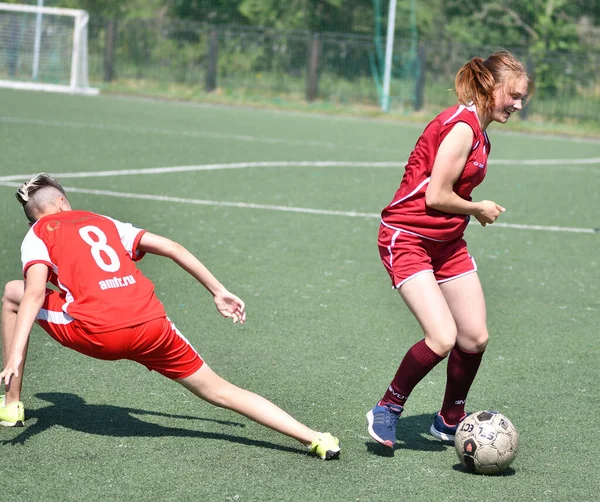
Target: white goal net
(44, 48)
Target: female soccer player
(422, 247)
(106, 308)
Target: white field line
(544, 162)
(110, 127)
(305, 210)
(245, 165)
(254, 139)
(189, 134)
(207, 167)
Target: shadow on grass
(413, 434)
(72, 412)
(505, 473)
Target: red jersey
(408, 210)
(91, 259)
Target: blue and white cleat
(382, 420)
(443, 431)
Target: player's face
(508, 100)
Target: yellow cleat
(325, 446)
(12, 414)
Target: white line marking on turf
(250, 138)
(208, 167)
(245, 165)
(191, 134)
(544, 162)
(305, 210)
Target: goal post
(44, 49)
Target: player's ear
(64, 204)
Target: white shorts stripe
(54, 317)
(392, 245)
(181, 335)
(463, 274)
(428, 271)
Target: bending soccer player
(422, 246)
(107, 309)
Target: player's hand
(231, 306)
(488, 212)
(11, 369)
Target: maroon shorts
(157, 344)
(405, 255)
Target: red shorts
(156, 344)
(405, 255)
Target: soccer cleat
(442, 431)
(13, 414)
(325, 446)
(382, 421)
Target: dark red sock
(418, 361)
(462, 368)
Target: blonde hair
(477, 80)
(36, 193)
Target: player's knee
(481, 341)
(442, 342)
(474, 342)
(223, 395)
(13, 292)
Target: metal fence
(328, 67)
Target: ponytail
(474, 83)
(477, 80)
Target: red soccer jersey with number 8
(92, 260)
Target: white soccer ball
(486, 442)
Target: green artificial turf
(325, 332)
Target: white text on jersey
(117, 282)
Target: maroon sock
(462, 368)
(418, 361)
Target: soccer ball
(486, 442)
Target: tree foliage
(549, 23)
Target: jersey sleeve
(464, 116)
(33, 250)
(130, 238)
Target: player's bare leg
(466, 301)
(425, 299)
(13, 292)
(206, 384)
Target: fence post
(312, 74)
(210, 83)
(109, 50)
(530, 70)
(420, 80)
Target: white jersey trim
(470, 108)
(421, 185)
(34, 249)
(127, 233)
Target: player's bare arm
(449, 164)
(31, 303)
(227, 303)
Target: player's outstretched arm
(31, 303)
(227, 303)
